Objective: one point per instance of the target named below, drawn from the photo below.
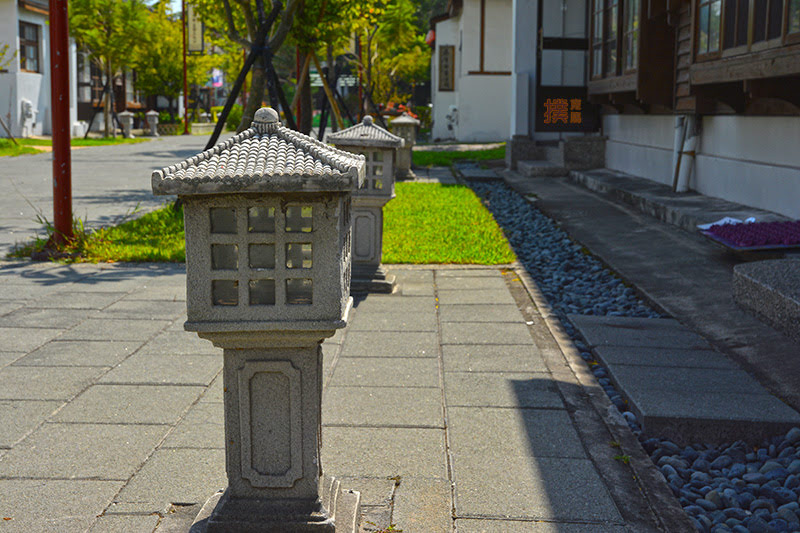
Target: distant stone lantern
(379, 148)
(268, 224)
(406, 127)
(151, 118)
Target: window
(745, 25)
(610, 37)
(793, 18)
(630, 39)
(615, 37)
(447, 56)
(708, 25)
(597, 38)
(29, 47)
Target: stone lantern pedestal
(379, 148)
(268, 225)
(126, 119)
(405, 126)
(151, 118)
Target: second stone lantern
(268, 224)
(379, 148)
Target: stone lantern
(406, 127)
(268, 224)
(151, 117)
(379, 148)
(126, 120)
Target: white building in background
(25, 80)
(471, 71)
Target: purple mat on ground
(756, 235)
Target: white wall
(446, 34)
(742, 159)
(35, 86)
(8, 80)
(484, 113)
(523, 66)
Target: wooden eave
(772, 63)
(36, 6)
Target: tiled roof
(265, 158)
(366, 133)
(405, 118)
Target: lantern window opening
(261, 291)
(261, 256)
(298, 255)
(223, 220)
(261, 219)
(225, 292)
(299, 218)
(299, 291)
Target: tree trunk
(306, 105)
(331, 78)
(107, 102)
(258, 84)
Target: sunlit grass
(430, 158)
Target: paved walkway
(449, 405)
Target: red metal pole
(360, 94)
(59, 105)
(185, 80)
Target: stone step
(541, 168)
(771, 290)
(678, 386)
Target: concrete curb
(647, 477)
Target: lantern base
(223, 514)
(371, 278)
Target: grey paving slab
(128, 308)
(115, 330)
(366, 320)
(513, 432)
(7, 358)
(530, 487)
(492, 358)
(423, 505)
(650, 332)
(20, 417)
(6, 306)
(125, 524)
(178, 476)
(330, 353)
(26, 291)
(410, 288)
(394, 304)
(374, 491)
(178, 343)
(663, 357)
(165, 369)
(485, 333)
(384, 453)
(386, 372)
(214, 392)
(44, 318)
(177, 324)
(466, 272)
(479, 313)
(470, 283)
(166, 294)
(501, 389)
(16, 339)
(473, 525)
(382, 407)
(476, 296)
(78, 299)
(72, 451)
(45, 383)
(708, 406)
(202, 427)
(391, 344)
(67, 506)
(80, 353)
(130, 404)
(641, 380)
(415, 275)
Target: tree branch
(233, 35)
(283, 28)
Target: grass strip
(430, 158)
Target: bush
(234, 118)
(424, 115)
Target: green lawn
(425, 223)
(445, 159)
(29, 145)
(8, 148)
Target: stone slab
(105, 329)
(165, 369)
(395, 304)
(540, 488)
(130, 308)
(167, 293)
(214, 392)
(470, 283)
(641, 380)
(476, 525)
(663, 357)
(383, 453)
(80, 353)
(391, 344)
(26, 291)
(202, 427)
(178, 476)
(16, 339)
(485, 333)
(7, 358)
(479, 313)
(649, 332)
(480, 174)
(476, 296)
(374, 491)
(53, 504)
(125, 524)
(771, 289)
(100, 451)
(7, 306)
(130, 404)
(513, 432)
(45, 383)
(47, 318)
(492, 358)
(501, 389)
(20, 417)
(416, 289)
(465, 272)
(386, 372)
(383, 407)
(411, 275)
(366, 320)
(423, 505)
(541, 168)
(180, 342)
(79, 299)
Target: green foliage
(445, 159)
(8, 148)
(433, 223)
(234, 118)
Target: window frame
(789, 38)
(602, 43)
(36, 45)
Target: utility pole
(59, 107)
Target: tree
(159, 64)
(110, 31)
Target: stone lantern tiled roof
(366, 133)
(267, 157)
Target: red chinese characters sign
(564, 109)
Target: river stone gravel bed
(727, 488)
